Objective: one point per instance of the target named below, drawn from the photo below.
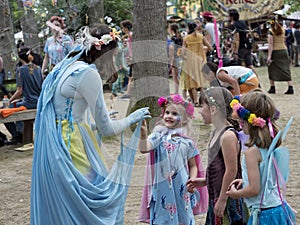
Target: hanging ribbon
(217, 43)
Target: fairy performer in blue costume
(70, 182)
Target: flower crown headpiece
(178, 100)
(84, 38)
(245, 114)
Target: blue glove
(139, 115)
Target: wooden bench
(27, 116)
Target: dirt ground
(15, 166)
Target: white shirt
(235, 72)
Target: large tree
(7, 43)
(30, 30)
(150, 59)
(95, 11)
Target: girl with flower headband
(69, 172)
(172, 160)
(264, 173)
(224, 150)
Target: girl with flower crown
(172, 160)
(224, 150)
(264, 163)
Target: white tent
(294, 16)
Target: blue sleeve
(154, 139)
(192, 151)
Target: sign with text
(248, 9)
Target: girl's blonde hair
(262, 106)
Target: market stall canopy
(248, 9)
(294, 16)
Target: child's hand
(237, 183)
(220, 207)
(233, 188)
(193, 183)
(191, 190)
(144, 130)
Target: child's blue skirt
(276, 216)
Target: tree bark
(30, 30)
(8, 49)
(95, 11)
(150, 61)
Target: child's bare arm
(252, 162)
(193, 171)
(196, 182)
(144, 145)
(230, 150)
(192, 168)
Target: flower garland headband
(86, 40)
(245, 114)
(178, 100)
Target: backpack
(290, 36)
(244, 33)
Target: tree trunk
(30, 30)
(150, 61)
(95, 11)
(8, 49)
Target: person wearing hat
(210, 28)
(29, 85)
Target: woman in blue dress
(71, 184)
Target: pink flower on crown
(177, 99)
(162, 101)
(189, 109)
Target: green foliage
(16, 14)
(295, 5)
(11, 87)
(118, 10)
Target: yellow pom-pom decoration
(233, 102)
(252, 116)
